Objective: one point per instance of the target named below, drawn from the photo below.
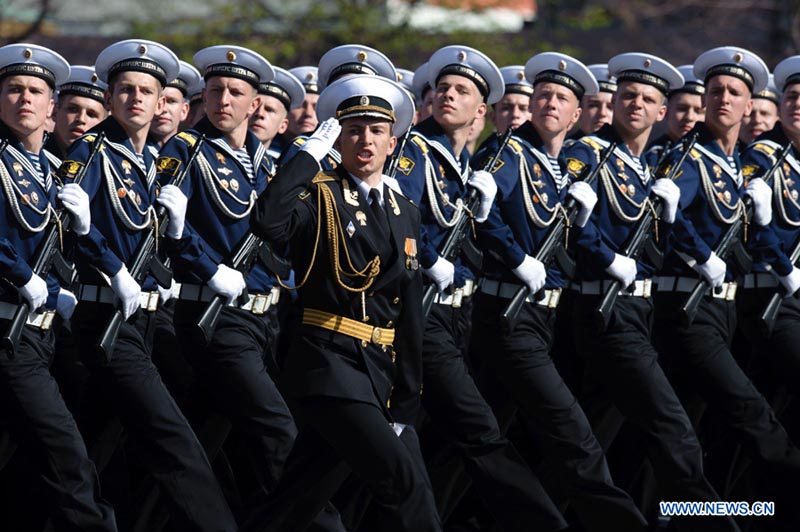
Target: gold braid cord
(333, 229)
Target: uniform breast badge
(351, 228)
(362, 218)
(24, 182)
(234, 185)
(17, 168)
(410, 248)
(225, 171)
(126, 166)
(220, 158)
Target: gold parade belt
(348, 327)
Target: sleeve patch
(497, 166)
(70, 169)
(575, 166)
(405, 165)
(168, 165)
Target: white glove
(127, 291)
(762, 200)
(442, 273)
(34, 292)
(483, 182)
(791, 282)
(227, 282)
(175, 202)
(321, 141)
(623, 269)
(165, 294)
(76, 201)
(66, 303)
(712, 270)
(667, 190)
(532, 273)
(586, 198)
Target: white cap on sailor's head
(308, 76)
(367, 96)
(188, 77)
(645, 68)
(558, 68)
(196, 91)
(421, 84)
(733, 61)
(605, 82)
(353, 59)
(471, 64)
(25, 59)
(691, 84)
(137, 55)
(406, 80)
(787, 72)
(285, 87)
(83, 81)
(515, 80)
(234, 62)
(771, 93)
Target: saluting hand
(321, 141)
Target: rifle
(727, 244)
(391, 171)
(145, 261)
(552, 247)
(451, 247)
(242, 260)
(48, 255)
(770, 313)
(640, 239)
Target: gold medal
(121, 192)
(631, 190)
(544, 197)
(794, 195)
(35, 198)
(223, 183)
(234, 185)
(26, 199)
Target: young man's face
(457, 102)
(637, 106)
(597, 110)
(365, 143)
(789, 109)
(75, 115)
(727, 100)
(303, 119)
(175, 111)
(554, 108)
(511, 111)
(683, 112)
(134, 98)
(25, 104)
(269, 120)
(229, 102)
(762, 118)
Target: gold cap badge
(231, 55)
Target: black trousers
(622, 362)
(339, 436)
(165, 442)
(231, 370)
(38, 415)
(511, 491)
(701, 360)
(519, 374)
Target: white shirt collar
(364, 188)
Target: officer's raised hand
(34, 292)
(227, 282)
(762, 200)
(532, 273)
(586, 198)
(76, 201)
(483, 182)
(670, 193)
(623, 269)
(713, 270)
(175, 202)
(127, 291)
(321, 141)
(442, 273)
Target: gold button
(396, 300)
(376, 335)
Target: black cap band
(140, 65)
(371, 106)
(467, 72)
(351, 68)
(768, 94)
(82, 89)
(181, 85)
(690, 87)
(519, 88)
(607, 86)
(731, 70)
(29, 69)
(640, 76)
(229, 70)
(554, 76)
(271, 89)
(794, 78)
